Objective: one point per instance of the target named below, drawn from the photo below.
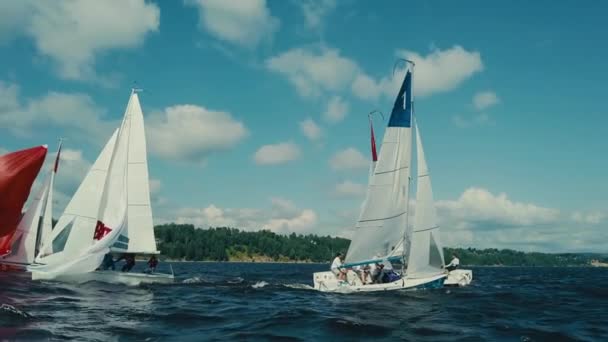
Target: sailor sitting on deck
(129, 261)
(337, 269)
(453, 264)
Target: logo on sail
(101, 230)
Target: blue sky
(256, 111)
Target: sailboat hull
(459, 278)
(327, 282)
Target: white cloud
(349, 189)
(243, 22)
(313, 72)
(315, 11)
(478, 207)
(311, 129)
(485, 99)
(72, 33)
(337, 109)
(438, 71)
(349, 159)
(283, 217)
(189, 132)
(595, 217)
(74, 111)
(277, 154)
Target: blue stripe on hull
(435, 284)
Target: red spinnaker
(18, 170)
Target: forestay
(383, 219)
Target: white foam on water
(259, 284)
(193, 280)
(14, 310)
(299, 286)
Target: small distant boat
(18, 170)
(35, 225)
(382, 234)
(109, 213)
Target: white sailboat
(35, 224)
(382, 234)
(109, 213)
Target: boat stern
(459, 277)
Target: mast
(409, 177)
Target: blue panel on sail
(401, 116)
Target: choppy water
(234, 301)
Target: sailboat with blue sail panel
(381, 233)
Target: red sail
(18, 170)
(374, 154)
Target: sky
(256, 111)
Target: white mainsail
(140, 227)
(426, 252)
(383, 220)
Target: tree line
(185, 242)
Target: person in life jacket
(129, 261)
(453, 264)
(152, 263)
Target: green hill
(185, 242)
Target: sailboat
(34, 226)
(110, 213)
(18, 170)
(382, 234)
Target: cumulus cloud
(190, 133)
(336, 111)
(313, 71)
(349, 159)
(72, 33)
(436, 72)
(349, 189)
(479, 208)
(485, 99)
(311, 129)
(277, 153)
(74, 111)
(281, 217)
(244, 22)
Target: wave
(13, 310)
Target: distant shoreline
(328, 262)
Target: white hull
(459, 278)
(113, 277)
(328, 282)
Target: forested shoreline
(185, 242)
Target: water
(234, 301)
